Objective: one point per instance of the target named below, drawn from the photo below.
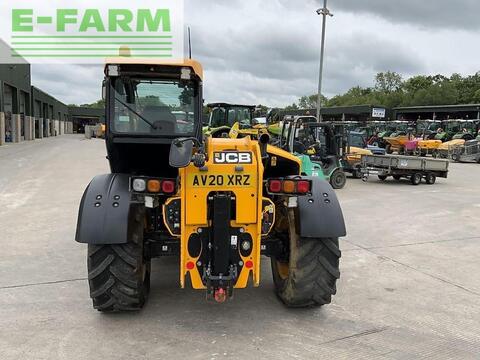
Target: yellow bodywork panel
(451, 144)
(276, 152)
(254, 132)
(354, 155)
(398, 140)
(429, 144)
(244, 180)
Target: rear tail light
(153, 186)
(168, 186)
(275, 186)
(303, 186)
(139, 185)
(289, 186)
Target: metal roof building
(348, 113)
(438, 112)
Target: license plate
(214, 180)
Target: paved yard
(410, 284)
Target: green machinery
(224, 115)
(316, 145)
(468, 130)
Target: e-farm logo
(80, 31)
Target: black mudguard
(104, 210)
(319, 214)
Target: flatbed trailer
(469, 152)
(400, 166)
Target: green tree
(416, 83)
(99, 104)
(437, 94)
(292, 107)
(310, 102)
(388, 82)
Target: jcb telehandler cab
(216, 204)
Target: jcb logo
(232, 157)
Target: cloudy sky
(267, 51)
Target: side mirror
(180, 153)
(104, 90)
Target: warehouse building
(50, 116)
(83, 116)
(440, 112)
(347, 113)
(26, 112)
(410, 114)
(15, 109)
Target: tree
(437, 94)
(416, 83)
(310, 102)
(99, 104)
(388, 82)
(476, 97)
(262, 109)
(149, 100)
(292, 107)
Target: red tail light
(152, 185)
(303, 186)
(289, 186)
(275, 186)
(168, 186)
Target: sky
(267, 51)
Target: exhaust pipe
(263, 140)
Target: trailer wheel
(383, 177)
(308, 277)
(397, 177)
(456, 157)
(416, 179)
(430, 179)
(357, 172)
(338, 179)
(119, 275)
(388, 149)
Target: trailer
(400, 166)
(469, 152)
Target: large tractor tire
(308, 277)
(119, 275)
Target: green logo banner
(89, 31)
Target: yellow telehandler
(217, 204)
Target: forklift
(317, 146)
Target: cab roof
(193, 64)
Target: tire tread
(312, 279)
